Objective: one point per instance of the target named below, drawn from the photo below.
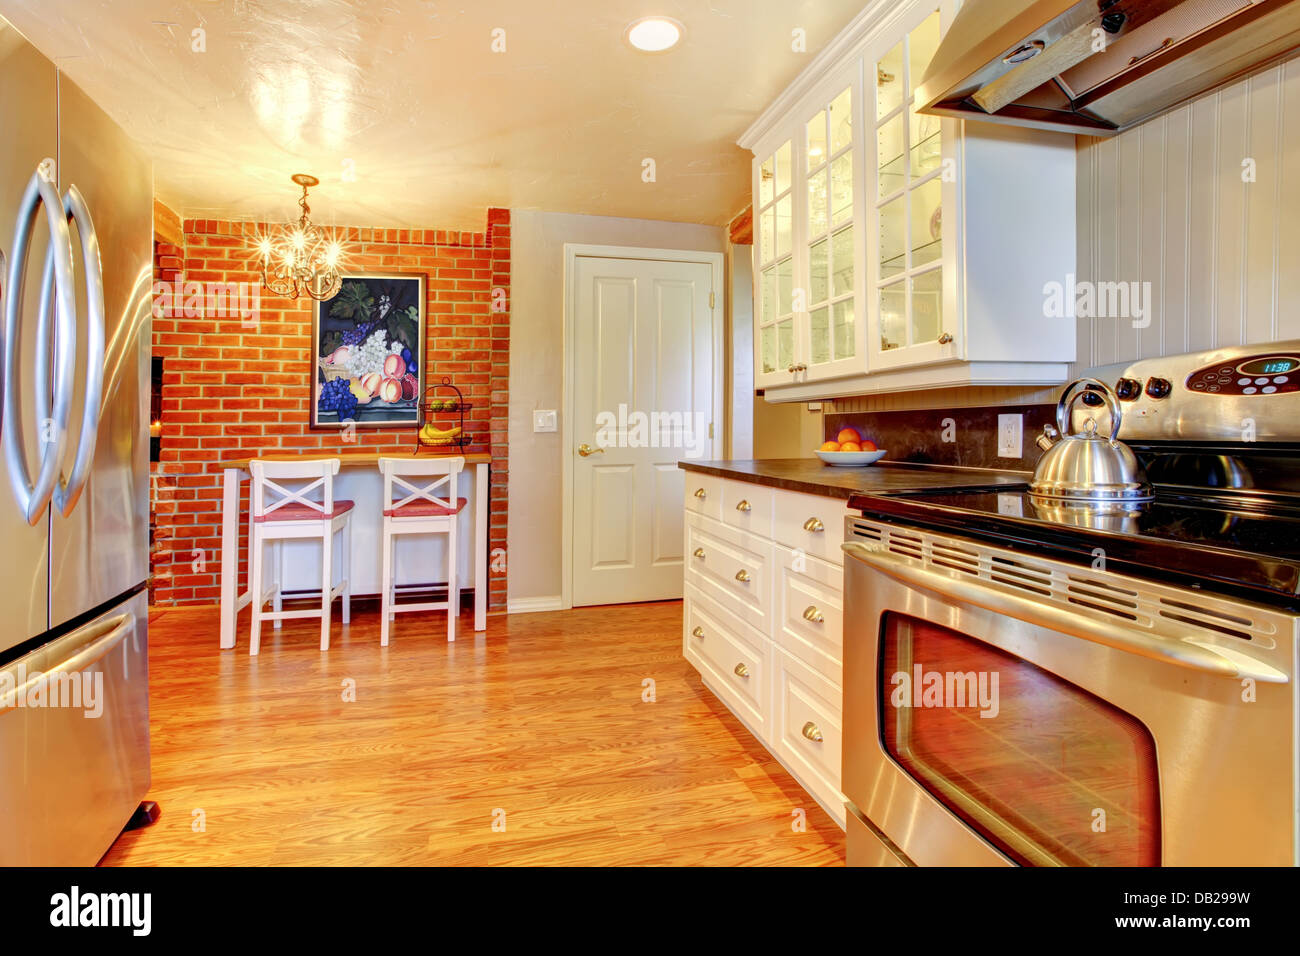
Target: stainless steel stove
(1040, 682)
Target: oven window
(1045, 771)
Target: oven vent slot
(1208, 618)
(1103, 597)
(868, 531)
(954, 558)
(909, 546)
(1018, 574)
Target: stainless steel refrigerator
(76, 231)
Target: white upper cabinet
(897, 250)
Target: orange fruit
(868, 445)
(850, 446)
(848, 434)
(830, 446)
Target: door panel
(643, 389)
(101, 549)
(30, 112)
(86, 764)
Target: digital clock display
(1269, 366)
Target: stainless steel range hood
(1099, 66)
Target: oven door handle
(1208, 659)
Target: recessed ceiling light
(654, 34)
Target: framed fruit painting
(369, 353)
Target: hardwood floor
(537, 724)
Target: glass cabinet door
(830, 238)
(910, 178)
(774, 261)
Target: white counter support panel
(360, 480)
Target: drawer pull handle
(811, 732)
(699, 493)
(742, 505)
(742, 576)
(812, 615)
(697, 632)
(814, 525)
(742, 670)
(699, 553)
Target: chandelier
(301, 257)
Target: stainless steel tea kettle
(1086, 466)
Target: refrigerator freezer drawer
(74, 741)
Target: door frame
(572, 252)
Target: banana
(430, 433)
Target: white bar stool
(279, 513)
(422, 511)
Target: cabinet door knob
(945, 338)
(742, 505)
(699, 493)
(811, 732)
(741, 670)
(742, 576)
(811, 614)
(814, 525)
(699, 553)
(790, 368)
(697, 632)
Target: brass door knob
(945, 338)
(742, 576)
(699, 553)
(741, 670)
(811, 732)
(814, 525)
(743, 505)
(697, 632)
(699, 493)
(584, 450)
(811, 614)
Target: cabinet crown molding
(848, 42)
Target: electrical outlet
(1011, 436)
(544, 420)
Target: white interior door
(644, 384)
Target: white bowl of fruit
(850, 450)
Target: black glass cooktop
(1246, 548)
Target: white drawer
(797, 518)
(703, 494)
(733, 660)
(809, 611)
(732, 568)
(806, 730)
(748, 506)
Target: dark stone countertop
(812, 477)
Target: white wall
(537, 374)
(1166, 203)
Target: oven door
(1006, 709)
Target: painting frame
(350, 323)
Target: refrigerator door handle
(33, 496)
(89, 645)
(67, 494)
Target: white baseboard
(533, 604)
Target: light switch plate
(544, 420)
(1011, 436)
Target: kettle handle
(1076, 389)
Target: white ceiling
(434, 125)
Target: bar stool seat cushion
(423, 508)
(300, 512)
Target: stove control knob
(1128, 389)
(1159, 387)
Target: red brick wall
(232, 390)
